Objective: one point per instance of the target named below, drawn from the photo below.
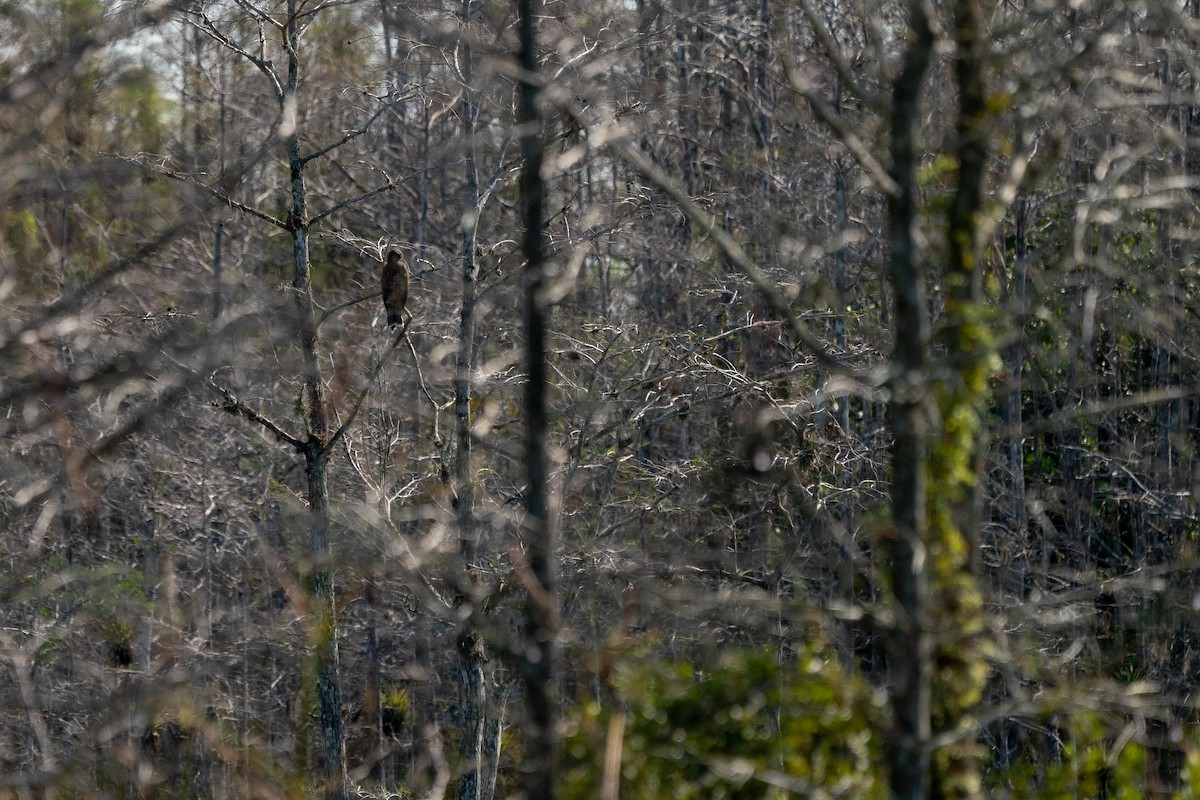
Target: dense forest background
(795, 397)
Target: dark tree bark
(904, 548)
(540, 780)
(1012, 426)
(314, 444)
(316, 436)
(957, 464)
(472, 657)
(964, 275)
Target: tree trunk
(963, 396)
(472, 656)
(1012, 441)
(313, 408)
(904, 548)
(540, 780)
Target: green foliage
(396, 700)
(1089, 762)
(137, 113)
(1190, 776)
(746, 728)
(78, 17)
(396, 710)
(960, 669)
(21, 232)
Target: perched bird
(395, 287)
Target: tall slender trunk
(1012, 443)
(964, 275)
(473, 689)
(911, 647)
(540, 656)
(762, 85)
(963, 396)
(313, 407)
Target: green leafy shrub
(748, 727)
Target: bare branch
(834, 51)
(349, 201)
(208, 28)
(729, 247)
(231, 405)
(218, 193)
(486, 191)
(259, 14)
(877, 172)
(352, 134)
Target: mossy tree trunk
(904, 547)
(937, 416)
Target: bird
(395, 287)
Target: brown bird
(395, 287)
